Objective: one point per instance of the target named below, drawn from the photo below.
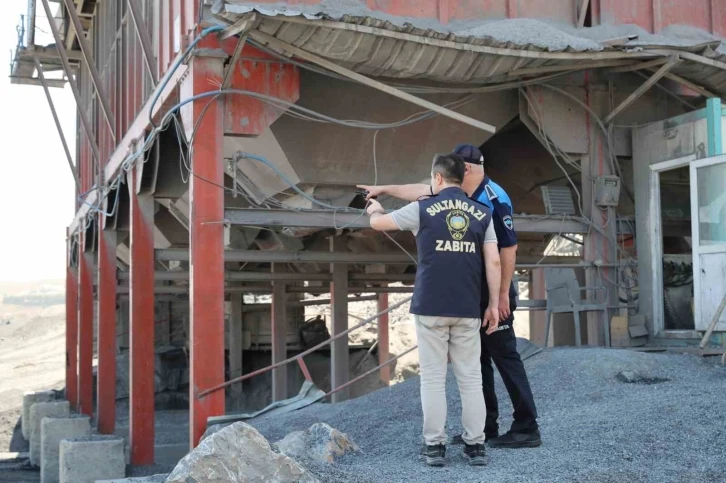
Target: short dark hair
(450, 167)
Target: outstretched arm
(405, 218)
(407, 192)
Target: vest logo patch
(458, 223)
(446, 205)
(455, 246)
(508, 222)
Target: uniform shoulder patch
(508, 222)
(491, 194)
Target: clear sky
(36, 186)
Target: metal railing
(299, 358)
(20, 29)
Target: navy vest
(450, 262)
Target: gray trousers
(457, 338)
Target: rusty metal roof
(474, 51)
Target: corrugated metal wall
(124, 74)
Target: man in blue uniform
(456, 243)
(499, 346)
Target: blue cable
(177, 63)
(292, 185)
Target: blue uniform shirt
(493, 196)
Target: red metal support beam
(71, 329)
(383, 339)
(141, 417)
(279, 333)
(106, 379)
(85, 330)
(206, 240)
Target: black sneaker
(517, 440)
(435, 455)
(459, 441)
(476, 454)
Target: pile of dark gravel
(594, 427)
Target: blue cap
(470, 153)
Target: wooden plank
(641, 90)
(690, 85)
(240, 27)
(640, 65)
(274, 42)
(583, 13)
(619, 336)
(714, 321)
(229, 71)
(484, 49)
(638, 331)
(569, 67)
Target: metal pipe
(162, 275)
(305, 303)
(258, 256)
(44, 83)
(367, 373)
(302, 354)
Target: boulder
(319, 442)
(238, 453)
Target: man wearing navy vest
(501, 345)
(456, 243)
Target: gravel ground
(595, 428)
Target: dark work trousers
(501, 347)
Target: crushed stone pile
(605, 415)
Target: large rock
(319, 442)
(237, 453)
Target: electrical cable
(175, 66)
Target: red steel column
(85, 330)
(206, 242)
(71, 329)
(383, 355)
(141, 292)
(106, 330)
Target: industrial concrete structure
(220, 143)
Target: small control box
(607, 190)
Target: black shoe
(517, 440)
(476, 454)
(435, 455)
(459, 441)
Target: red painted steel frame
(106, 331)
(206, 242)
(383, 339)
(71, 332)
(85, 332)
(141, 417)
